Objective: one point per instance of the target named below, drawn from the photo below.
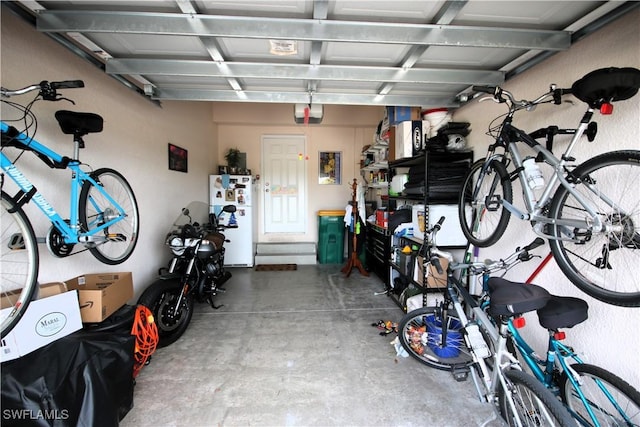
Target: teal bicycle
(442, 337)
(103, 212)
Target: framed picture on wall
(330, 167)
(177, 158)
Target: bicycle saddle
(74, 123)
(513, 298)
(607, 85)
(563, 312)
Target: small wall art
(330, 167)
(177, 158)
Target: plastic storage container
(437, 118)
(331, 236)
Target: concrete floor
(297, 349)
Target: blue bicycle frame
(70, 231)
(542, 369)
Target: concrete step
(303, 253)
(286, 248)
(300, 259)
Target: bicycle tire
(94, 207)
(18, 262)
(488, 219)
(536, 405)
(602, 264)
(627, 399)
(420, 334)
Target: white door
(284, 183)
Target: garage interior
(298, 348)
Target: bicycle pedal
(476, 341)
(460, 373)
(116, 237)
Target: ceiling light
(283, 47)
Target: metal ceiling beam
(300, 29)
(28, 17)
(163, 93)
(577, 35)
(320, 12)
(445, 15)
(189, 68)
(210, 43)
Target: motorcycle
(195, 273)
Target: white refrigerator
(235, 190)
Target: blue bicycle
(594, 396)
(103, 212)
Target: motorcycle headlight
(177, 245)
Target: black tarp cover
(84, 379)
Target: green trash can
(330, 236)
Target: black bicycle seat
(514, 298)
(607, 85)
(563, 312)
(74, 123)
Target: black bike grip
(535, 244)
(558, 93)
(485, 89)
(435, 261)
(67, 84)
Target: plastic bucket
(434, 337)
(437, 118)
(397, 184)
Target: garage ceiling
(357, 52)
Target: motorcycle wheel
(160, 297)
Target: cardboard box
(434, 280)
(45, 321)
(382, 217)
(410, 138)
(42, 291)
(397, 114)
(100, 295)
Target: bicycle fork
(563, 353)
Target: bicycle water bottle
(535, 179)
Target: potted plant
(233, 159)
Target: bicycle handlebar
(504, 96)
(67, 84)
(438, 225)
(519, 255)
(46, 89)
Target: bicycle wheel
(603, 264)
(96, 209)
(534, 404)
(483, 191)
(422, 335)
(18, 263)
(611, 399)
